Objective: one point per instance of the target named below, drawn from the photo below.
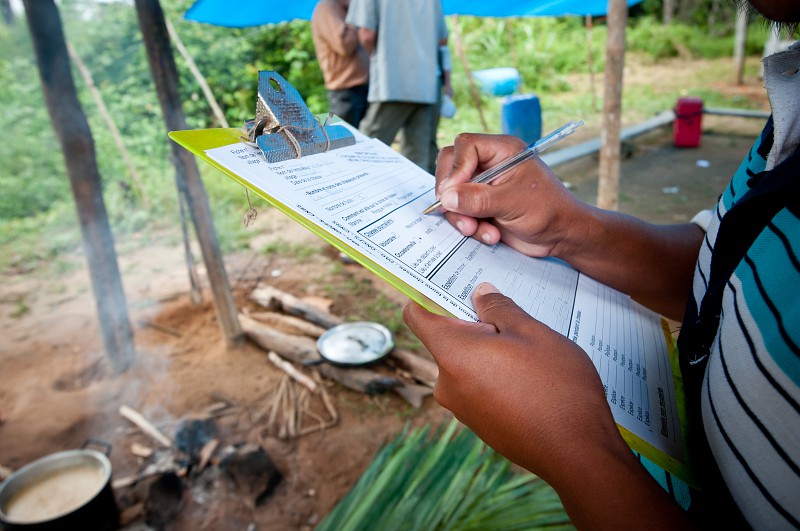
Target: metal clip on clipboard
(284, 127)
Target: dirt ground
(57, 390)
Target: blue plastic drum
(521, 116)
(497, 81)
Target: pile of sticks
(289, 327)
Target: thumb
(470, 199)
(496, 309)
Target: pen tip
(429, 209)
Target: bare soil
(57, 389)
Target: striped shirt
(750, 395)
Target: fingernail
(485, 288)
(486, 237)
(450, 200)
(460, 226)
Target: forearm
(610, 490)
(368, 39)
(654, 264)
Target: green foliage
(35, 197)
(651, 37)
(448, 480)
(32, 162)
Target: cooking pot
(65, 490)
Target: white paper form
(371, 198)
(627, 347)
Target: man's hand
(527, 207)
(527, 391)
(535, 397)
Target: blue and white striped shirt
(750, 398)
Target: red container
(688, 121)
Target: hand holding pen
(529, 152)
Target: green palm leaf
(447, 480)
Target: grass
(283, 248)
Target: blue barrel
(521, 116)
(498, 81)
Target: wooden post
(165, 75)
(77, 144)
(463, 56)
(608, 185)
(740, 45)
(668, 11)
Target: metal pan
(355, 344)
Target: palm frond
(445, 480)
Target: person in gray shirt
(403, 39)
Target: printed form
(372, 198)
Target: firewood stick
(275, 404)
(423, 370)
(289, 324)
(289, 369)
(206, 453)
(145, 425)
(144, 323)
(270, 297)
(326, 399)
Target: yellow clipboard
(200, 140)
(278, 105)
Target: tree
(190, 187)
(77, 145)
(608, 186)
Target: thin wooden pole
(739, 47)
(668, 11)
(472, 88)
(201, 80)
(165, 74)
(590, 61)
(112, 127)
(512, 45)
(608, 185)
(77, 145)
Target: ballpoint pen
(532, 150)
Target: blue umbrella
(245, 13)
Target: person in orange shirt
(343, 60)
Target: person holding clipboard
(732, 277)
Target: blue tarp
(529, 8)
(246, 13)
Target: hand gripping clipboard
(270, 132)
